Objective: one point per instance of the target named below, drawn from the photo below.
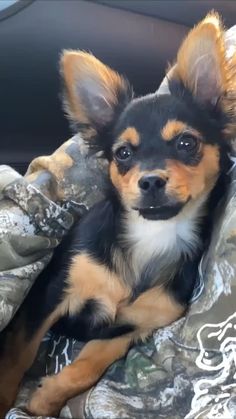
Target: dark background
(136, 38)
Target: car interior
(186, 369)
(136, 38)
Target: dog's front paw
(46, 401)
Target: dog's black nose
(148, 182)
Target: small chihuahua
(128, 266)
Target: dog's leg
(46, 303)
(85, 371)
(152, 309)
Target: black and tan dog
(128, 266)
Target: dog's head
(164, 150)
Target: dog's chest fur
(155, 249)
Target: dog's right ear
(94, 93)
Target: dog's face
(162, 156)
(164, 150)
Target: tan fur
(86, 279)
(83, 373)
(205, 45)
(204, 42)
(130, 135)
(89, 280)
(174, 128)
(228, 100)
(193, 181)
(77, 66)
(127, 184)
(152, 309)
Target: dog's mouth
(162, 212)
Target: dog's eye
(123, 153)
(187, 143)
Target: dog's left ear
(94, 93)
(201, 64)
(203, 69)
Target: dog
(129, 265)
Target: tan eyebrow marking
(173, 128)
(130, 135)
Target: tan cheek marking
(127, 185)
(178, 185)
(204, 176)
(130, 135)
(191, 181)
(89, 280)
(211, 164)
(114, 175)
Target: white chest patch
(165, 240)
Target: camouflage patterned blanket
(185, 370)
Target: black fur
(98, 232)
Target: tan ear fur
(205, 71)
(228, 99)
(201, 63)
(92, 88)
